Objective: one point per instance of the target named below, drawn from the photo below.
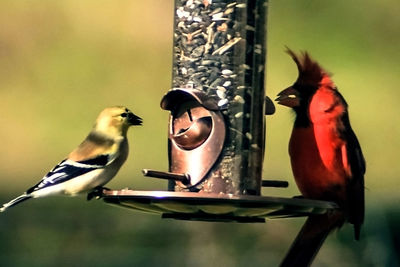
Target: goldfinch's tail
(15, 201)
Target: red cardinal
(326, 157)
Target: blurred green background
(61, 62)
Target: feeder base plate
(214, 207)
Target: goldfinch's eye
(123, 115)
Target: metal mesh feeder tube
(219, 53)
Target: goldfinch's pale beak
(289, 97)
(134, 120)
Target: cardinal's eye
(123, 115)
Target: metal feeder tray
(214, 207)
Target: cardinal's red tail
(310, 239)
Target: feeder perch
(216, 131)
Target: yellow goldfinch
(93, 163)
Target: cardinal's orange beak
(289, 97)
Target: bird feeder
(216, 127)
